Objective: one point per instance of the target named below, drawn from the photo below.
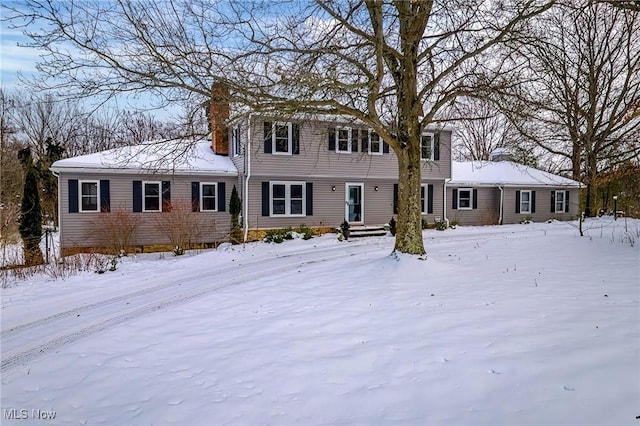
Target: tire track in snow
(149, 304)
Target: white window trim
(215, 204)
(349, 140)
(432, 147)
(289, 138)
(522, 210)
(470, 198)
(287, 198)
(144, 197)
(564, 201)
(235, 141)
(425, 202)
(380, 148)
(80, 209)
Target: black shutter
(195, 196)
(267, 137)
(395, 198)
(385, 147)
(354, 140)
(454, 199)
(309, 200)
(517, 201)
(265, 198)
(436, 146)
(533, 201)
(137, 195)
(429, 198)
(553, 201)
(475, 198)
(73, 195)
(166, 196)
(364, 137)
(105, 197)
(332, 139)
(221, 197)
(566, 201)
(295, 136)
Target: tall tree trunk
(409, 230)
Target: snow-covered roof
(174, 156)
(503, 173)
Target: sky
(14, 58)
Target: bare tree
(581, 99)
(393, 65)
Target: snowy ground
(519, 324)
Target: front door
(354, 203)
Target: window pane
(151, 189)
(208, 203)
(282, 145)
(282, 131)
(525, 196)
(296, 191)
(343, 139)
(278, 191)
(89, 188)
(296, 206)
(89, 203)
(278, 207)
(151, 203)
(208, 190)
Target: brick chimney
(218, 115)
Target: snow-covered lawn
(512, 325)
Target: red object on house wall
(218, 115)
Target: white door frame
(347, 205)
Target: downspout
(245, 204)
(57, 175)
(444, 202)
(501, 203)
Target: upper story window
(152, 197)
(343, 140)
(281, 138)
(375, 144)
(208, 196)
(464, 198)
(235, 141)
(427, 146)
(89, 196)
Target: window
(560, 203)
(151, 198)
(89, 196)
(426, 146)
(343, 138)
(287, 198)
(525, 201)
(424, 194)
(375, 145)
(235, 141)
(208, 197)
(464, 198)
(281, 138)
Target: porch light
(615, 207)
(376, 188)
(333, 188)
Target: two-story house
(290, 171)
